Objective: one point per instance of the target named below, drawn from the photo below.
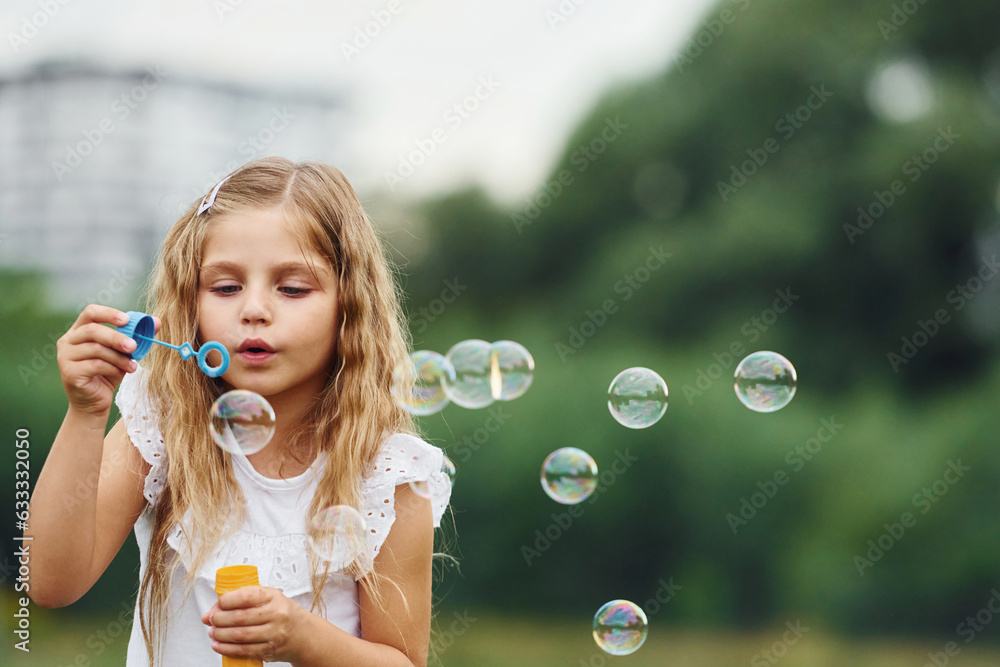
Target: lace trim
(282, 561)
(143, 430)
(402, 459)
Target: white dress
(274, 535)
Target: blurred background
(671, 185)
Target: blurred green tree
(824, 178)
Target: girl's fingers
(261, 650)
(94, 351)
(240, 634)
(92, 368)
(101, 315)
(98, 333)
(206, 618)
(241, 598)
(240, 617)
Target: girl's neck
(284, 456)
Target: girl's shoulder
(403, 459)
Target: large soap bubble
(620, 627)
(637, 397)
(471, 386)
(569, 475)
(241, 422)
(418, 383)
(338, 535)
(765, 381)
(512, 369)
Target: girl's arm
(261, 622)
(89, 492)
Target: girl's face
(272, 303)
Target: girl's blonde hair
(349, 418)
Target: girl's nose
(256, 308)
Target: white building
(96, 164)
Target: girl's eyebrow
(278, 269)
(221, 267)
(292, 267)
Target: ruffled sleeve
(141, 424)
(402, 459)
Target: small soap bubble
(569, 475)
(424, 375)
(765, 381)
(511, 370)
(637, 397)
(448, 468)
(241, 422)
(421, 488)
(338, 535)
(620, 627)
(471, 387)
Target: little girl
(281, 265)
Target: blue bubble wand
(141, 328)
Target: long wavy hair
(349, 418)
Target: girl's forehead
(259, 237)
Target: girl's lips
(256, 357)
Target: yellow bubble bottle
(230, 578)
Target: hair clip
(207, 203)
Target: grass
(492, 641)
(62, 639)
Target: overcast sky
(537, 66)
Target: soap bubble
(448, 468)
(470, 387)
(421, 488)
(338, 535)
(765, 381)
(427, 370)
(241, 422)
(637, 398)
(620, 627)
(511, 370)
(569, 475)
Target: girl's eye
(294, 291)
(225, 289)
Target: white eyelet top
(273, 537)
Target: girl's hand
(255, 622)
(93, 359)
